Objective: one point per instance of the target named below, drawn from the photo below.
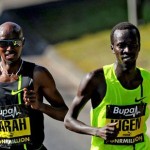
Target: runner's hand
(30, 99)
(108, 132)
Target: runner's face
(126, 46)
(10, 44)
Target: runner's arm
(44, 86)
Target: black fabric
(29, 147)
(36, 117)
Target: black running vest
(21, 128)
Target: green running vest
(128, 108)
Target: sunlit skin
(126, 47)
(10, 56)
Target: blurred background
(71, 37)
(56, 21)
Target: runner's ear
(112, 48)
(23, 41)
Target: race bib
(130, 123)
(14, 125)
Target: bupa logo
(9, 112)
(131, 119)
(126, 111)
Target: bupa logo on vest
(133, 111)
(9, 112)
(130, 125)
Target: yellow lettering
(15, 125)
(125, 125)
(2, 128)
(22, 124)
(128, 124)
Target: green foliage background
(92, 50)
(79, 29)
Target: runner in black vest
(23, 85)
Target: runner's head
(11, 41)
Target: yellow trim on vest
(25, 146)
(19, 101)
(19, 87)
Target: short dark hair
(123, 26)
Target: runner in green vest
(119, 94)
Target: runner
(23, 85)
(119, 94)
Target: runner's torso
(20, 126)
(128, 107)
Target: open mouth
(10, 55)
(127, 57)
